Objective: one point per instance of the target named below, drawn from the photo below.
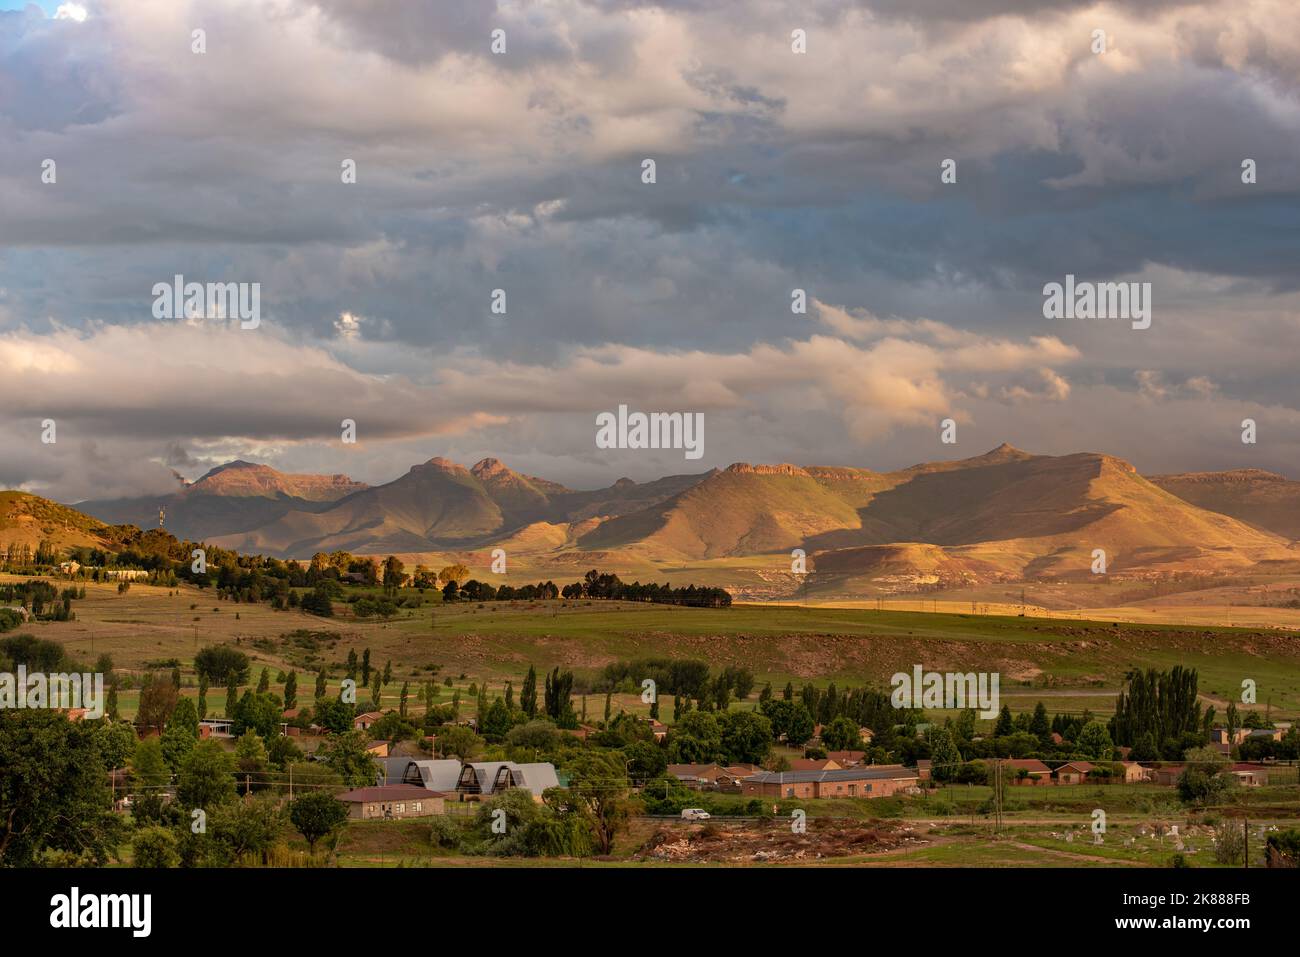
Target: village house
(1026, 771)
(483, 780)
(814, 764)
(1249, 775)
(864, 782)
(1220, 736)
(436, 775)
(1265, 734)
(1134, 773)
(216, 728)
(362, 722)
(1076, 772)
(657, 728)
(712, 777)
(392, 801)
(1167, 775)
(582, 732)
(847, 759)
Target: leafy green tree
(318, 602)
(282, 751)
(1004, 725)
(1145, 749)
(790, 719)
(182, 733)
(312, 776)
(316, 815)
(458, 741)
(1094, 741)
(393, 727)
(696, 739)
(53, 790)
(496, 723)
(154, 847)
(148, 776)
(598, 791)
(264, 681)
(1206, 778)
(245, 827)
(944, 756)
(260, 712)
(346, 755)
(842, 734)
(1039, 725)
(291, 691)
(321, 686)
(528, 695)
(334, 715)
(1161, 703)
(116, 741)
(158, 699)
(251, 760)
(746, 736)
(206, 777)
(538, 736)
(645, 761)
(222, 664)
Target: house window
(373, 808)
(417, 806)
(789, 792)
(867, 786)
(400, 808)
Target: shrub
(154, 847)
(444, 832)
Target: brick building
(866, 782)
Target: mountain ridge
(1003, 513)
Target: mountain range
(1003, 515)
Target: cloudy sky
(522, 171)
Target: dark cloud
(522, 172)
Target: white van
(694, 814)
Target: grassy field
(1069, 664)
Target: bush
(154, 847)
(444, 832)
(1283, 848)
(317, 815)
(1230, 843)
